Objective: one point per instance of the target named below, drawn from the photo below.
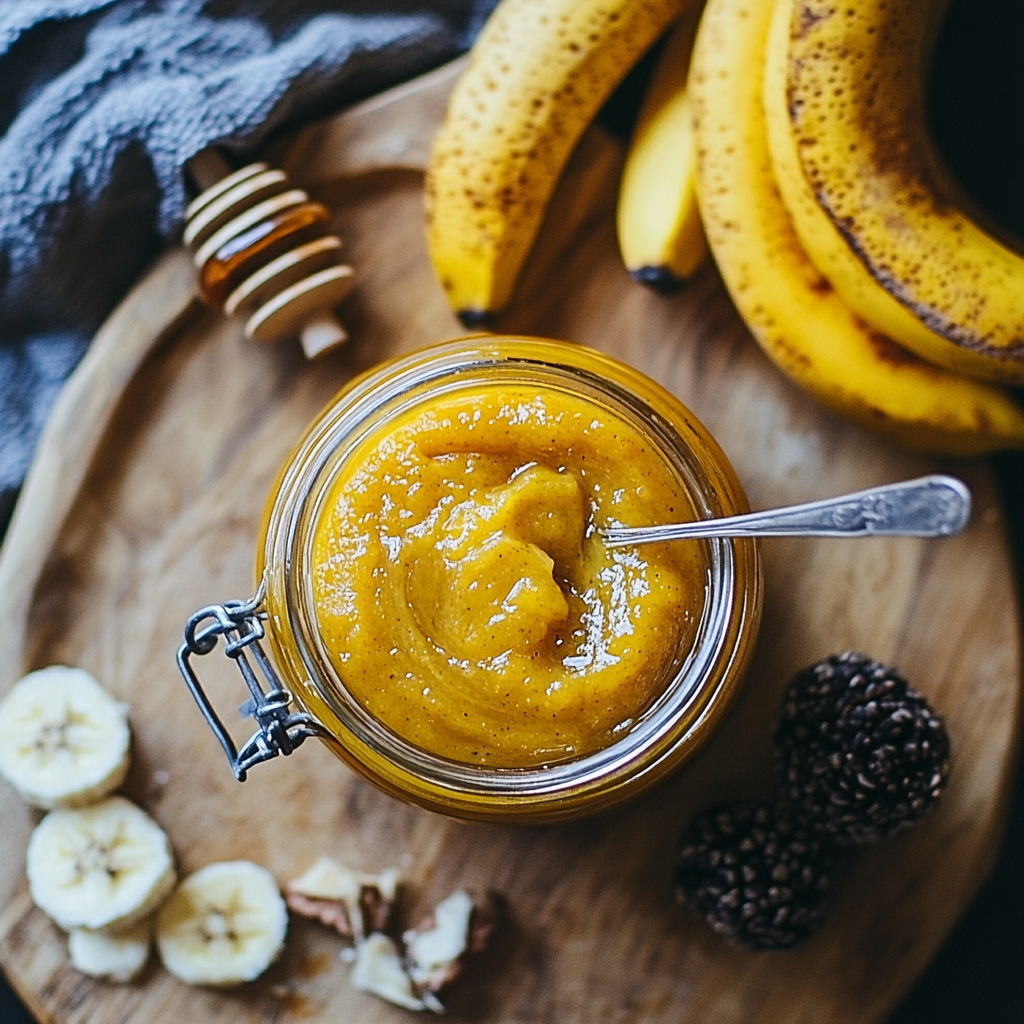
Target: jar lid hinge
(241, 625)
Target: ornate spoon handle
(931, 506)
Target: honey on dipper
(264, 253)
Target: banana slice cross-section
(105, 866)
(63, 738)
(223, 925)
(113, 956)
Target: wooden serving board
(144, 503)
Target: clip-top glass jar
(438, 602)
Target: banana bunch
(842, 243)
(101, 868)
(844, 95)
(797, 145)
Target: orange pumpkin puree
(463, 589)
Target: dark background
(977, 114)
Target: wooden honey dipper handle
(264, 253)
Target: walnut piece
(358, 906)
(436, 950)
(377, 968)
(352, 902)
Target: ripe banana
(538, 73)
(114, 956)
(871, 203)
(223, 925)
(660, 231)
(63, 739)
(104, 866)
(798, 319)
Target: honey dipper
(264, 253)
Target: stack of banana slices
(101, 868)
(797, 149)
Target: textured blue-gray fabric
(101, 104)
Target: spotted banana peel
(795, 314)
(872, 204)
(538, 73)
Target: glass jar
(307, 695)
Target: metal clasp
(241, 624)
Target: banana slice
(63, 738)
(223, 925)
(114, 956)
(104, 866)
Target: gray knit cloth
(101, 104)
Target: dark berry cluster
(861, 755)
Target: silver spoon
(931, 506)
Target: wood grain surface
(144, 504)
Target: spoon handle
(931, 506)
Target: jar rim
(697, 681)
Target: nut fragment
(377, 968)
(352, 902)
(358, 906)
(436, 950)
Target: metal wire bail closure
(241, 624)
